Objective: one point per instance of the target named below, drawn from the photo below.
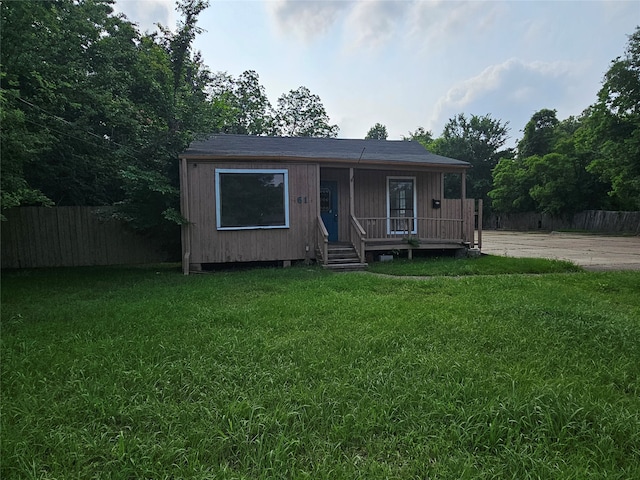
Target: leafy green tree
(19, 141)
(150, 181)
(539, 134)
(48, 52)
(301, 114)
(567, 166)
(377, 132)
(256, 113)
(555, 187)
(511, 186)
(97, 113)
(612, 129)
(589, 192)
(242, 104)
(420, 135)
(556, 183)
(18, 144)
(478, 140)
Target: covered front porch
(376, 210)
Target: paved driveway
(593, 252)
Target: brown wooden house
(336, 201)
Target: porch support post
(463, 197)
(479, 224)
(320, 237)
(318, 209)
(352, 208)
(185, 228)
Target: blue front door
(329, 208)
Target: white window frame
(270, 171)
(415, 206)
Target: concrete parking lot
(593, 252)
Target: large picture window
(250, 198)
(401, 205)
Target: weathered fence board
(589, 220)
(71, 236)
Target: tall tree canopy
(553, 181)
(580, 163)
(57, 58)
(420, 135)
(99, 111)
(301, 114)
(539, 134)
(150, 183)
(377, 132)
(241, 104)
(95, 113)
(612, 129)
(478, 140)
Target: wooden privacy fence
(589, 220)
(71, 236)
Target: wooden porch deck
(426, 244)
(375, 234)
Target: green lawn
(302, 373)
(483, 265)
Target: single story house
(335, 201)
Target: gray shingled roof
(224, 146)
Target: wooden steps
(343, 258)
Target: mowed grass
(301, 373)
(483, 265)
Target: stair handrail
(358, 235)
(322, 240)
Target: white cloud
(147, 13)
(306, 20)
(435, 22)
(510, 85)
(374, 23)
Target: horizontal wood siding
(35, 237)
(208, 245)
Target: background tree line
(559, 166)
(586, 162)
(94, 112)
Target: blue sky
(411, 63)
